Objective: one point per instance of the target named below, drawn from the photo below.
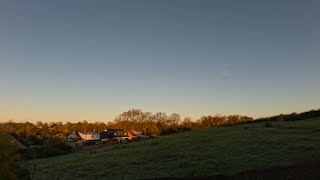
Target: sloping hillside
(225, 150)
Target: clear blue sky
(91, 60)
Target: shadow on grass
(307, 170)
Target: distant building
(18, 142)
(133, 134)
(137, 135)
(110, 136)
(114, 135)
(73, 136)
(72, 139)
(89, 136)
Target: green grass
(225, 150)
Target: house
(114, 136)
(137, 135)
(90, 136)
(73, 136)
(110, 136)
(133, 134)
(18, 142)
(72, 139)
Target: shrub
(268, 124)
(51, 147)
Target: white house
(90, 136)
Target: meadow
(219, 150)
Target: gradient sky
(91, 60)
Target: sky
(92, 60)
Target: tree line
(148, 123)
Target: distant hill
(293, 116)
(221, 150)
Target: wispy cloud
(225, 74)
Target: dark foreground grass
(222, 150)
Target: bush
(169, 131)
(268, 124)
(51, 147)
(55, 147)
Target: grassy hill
(220, 150)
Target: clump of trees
(160, 123)
(148, 123)
(219, 120)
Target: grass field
(220, 150)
